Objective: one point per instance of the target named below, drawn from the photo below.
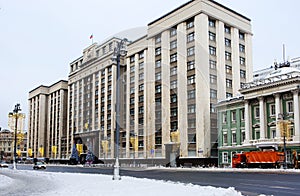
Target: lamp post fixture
(15, 115)
(283, 130)
(119, 51)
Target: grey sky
(38, 39)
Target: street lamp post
(283, 130)
(120, 50)
(15, 114)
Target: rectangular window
(190, 24)
(191, 51)
(173, 98)
(227, 29)
(242, 61)
(173, 71)
(191, 79)
(157, 64)
(132, 59)
(212, 50)
(141, 55)
(243, 74)
(227, 42)
(212, 36)
(233, 116)
(173, 112)
(213, 94)
(157, 39)
(132, 79)
(173, 32)
(225, 139)
(190, 37)
(213, 79)
(173, 84)
(227, 56)
(242, 114)
(228, 95)
(157, 51)
(131, 69)
(131, 90)
(158, 89)
(228, 69)
(191, 109)
(173, 44)
(190, 65)
(228, 83)
(131, 100)
(242, 48)
(141, 87)
(256, 112)
(224, 157)
(234, 137)
(192, 123)
(158, 76)
(141, 65)
(212, 23)
(290, 106)
(224, 117)
(272, 110)
(191, 94)
(173, 58)
(212, 64)
(141, 98)
(243, 136)
(141, 76)
(242, 36)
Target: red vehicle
(258, 159)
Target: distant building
(7, 140)
(251, 121)
(47, 121)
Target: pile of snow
(96, 184)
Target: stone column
(277, 112)
(202, 86)
(247, 123)
(182, 88)
(296, 115)
(221, 77)
(262, 117)
(235, 61)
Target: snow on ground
(103, 185)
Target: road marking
(275, 187)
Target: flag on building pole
(92, 38)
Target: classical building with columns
(190, 58)
(47, 121)
(251, 121)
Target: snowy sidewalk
(103, 185)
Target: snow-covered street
(17, 182)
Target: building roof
(190, 1)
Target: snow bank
(103, 185)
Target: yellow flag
(54, 149)
(19, 153)
(104, 145)
(29, 152)
(79, 148)
(41, 151)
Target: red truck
(258, 159)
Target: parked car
(3, 164)
(39, 165)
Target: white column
(82, 105)
(182, 87)
(93, 95)
(165, 95)
(247, 123)
(248, 54)
(235, 61)
(262, 117)
(202, 85)
(296, 115)
(277, 112)
(127, 107)
(221, 77)
(136, 98)
(145, 108)
(149, 94)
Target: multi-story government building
(47, 121)
(172, 77)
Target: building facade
(47, 121)
(251, 122)
(190, 58)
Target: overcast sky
(39, 38)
